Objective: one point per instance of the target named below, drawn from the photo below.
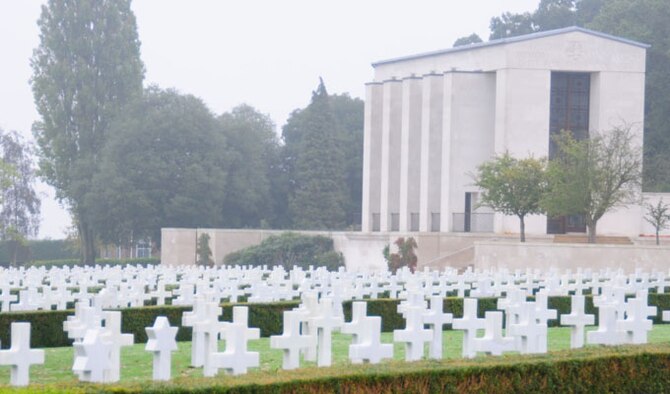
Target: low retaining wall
(516, 255)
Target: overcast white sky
(265, 53)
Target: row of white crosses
(40, 288)
(308, 329)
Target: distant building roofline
(511, 40)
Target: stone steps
(583, 239)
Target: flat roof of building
(510, 40)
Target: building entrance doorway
(569, 110)
(566, 224)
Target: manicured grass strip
(136, 372)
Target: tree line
(642, 20)
(129, 160)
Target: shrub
(204, 252)
(36, 250)
(288, 250)
(405, 256)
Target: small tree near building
(593, 176)
(512, 186)
(405, 257)
(658, 216)
(203, 251)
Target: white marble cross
(190, 319)
(366, 331)
(308, 310)
(469, 323)
(20, 356)
(636, 324)
(160, 294)
(354, 327)
(543, 314)
(607, 334)
(435, 318)
(6, 298)
(493, 342)
(236, 359)
(529, 330)
(325, 323)
(161, 343)
(209, 327)
(112, 333)
(414, 335)
(291, 341)
(577, 319)
(92, 357)
(87, 318)
(369, 347)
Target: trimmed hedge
(36, 250)
(267, 317)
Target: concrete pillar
(499, 143)
(445, 179)
(390, 157)
(371, 154)
(409, 150)
(431, 145)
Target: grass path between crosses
(136, 363)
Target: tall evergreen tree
(85, 68)
(318, 196)
(253, 151)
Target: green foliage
(592, 176)
(405, 257)
(288, 250)
(32, 250)
(253, 154)
(549, 15)
(510, 25)
(20, 213)
(658, 216)
(513, 186)
(163, 166)
(85, 68)
(646, 21)
(467, 40)
(47, 249)
(322, 159)
(203, 251)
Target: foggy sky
(268, 54)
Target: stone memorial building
(432, 118)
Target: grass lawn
(136, 365)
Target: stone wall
(571, 256)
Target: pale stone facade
(431, 119)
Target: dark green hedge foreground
(625, 369)
(47, 326)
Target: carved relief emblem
(574, 50)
